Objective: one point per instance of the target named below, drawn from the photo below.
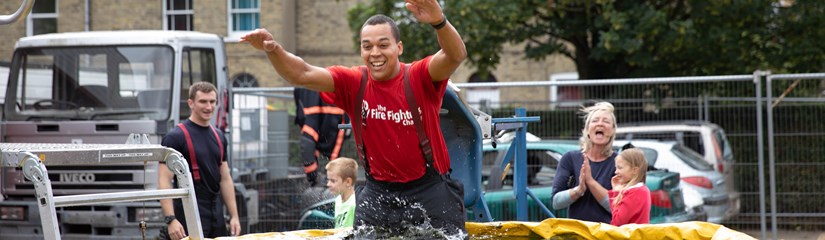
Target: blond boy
(341, 176)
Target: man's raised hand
(260, 39)
(426, 11)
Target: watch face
(168, 219)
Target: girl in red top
(630, 197)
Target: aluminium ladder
(34, 157)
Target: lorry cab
(97, 88)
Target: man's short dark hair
(204, 87)
(383, 19)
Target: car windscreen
(727, 152)
(690, 157)
(692, 140)
(541, 168)
(650, 155)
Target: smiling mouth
(378, 64)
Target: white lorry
(97, 88)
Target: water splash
(316, 194)
(406, 231)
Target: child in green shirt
(341, 177)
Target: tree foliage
(627, 39)
(485, 26)
(619, 39)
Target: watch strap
(168, 219)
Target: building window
(178, 15)
(244, 16)
(569, 97)
(482, 98)
(244, 80)
(43, 18)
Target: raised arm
(293, 68)
(599, 192)
(453, 51)
(563, 194)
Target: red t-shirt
(634, 207)
(389, 136)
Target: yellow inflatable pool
(553, 228)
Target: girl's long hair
(635, 158)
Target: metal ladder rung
(33, 158)
(132, 196)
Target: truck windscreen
(91, 83)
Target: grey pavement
(788, 235)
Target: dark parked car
(542, 158)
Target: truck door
(197, 64)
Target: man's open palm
(425, 11)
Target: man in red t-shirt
(403, 186)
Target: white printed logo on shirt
(380, 112)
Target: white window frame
(167, 13)
(477, 95)
(232, 35)
(554, 91)
(31, 16)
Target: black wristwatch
(169, 219)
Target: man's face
(380, 51)
(203, 105)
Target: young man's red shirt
(389, 135)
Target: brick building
(315, 30)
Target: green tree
(485, 25)
(799, 32)
(620, 39)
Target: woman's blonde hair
(636, 159)
(589, 112)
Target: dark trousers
(210, 208)
(434, 198)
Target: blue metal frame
(517, 153)
(462, 133)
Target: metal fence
(772, 124)
(795, 136)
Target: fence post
(760, 146)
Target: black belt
(430, 175)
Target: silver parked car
(706, 138)
(696, 174)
